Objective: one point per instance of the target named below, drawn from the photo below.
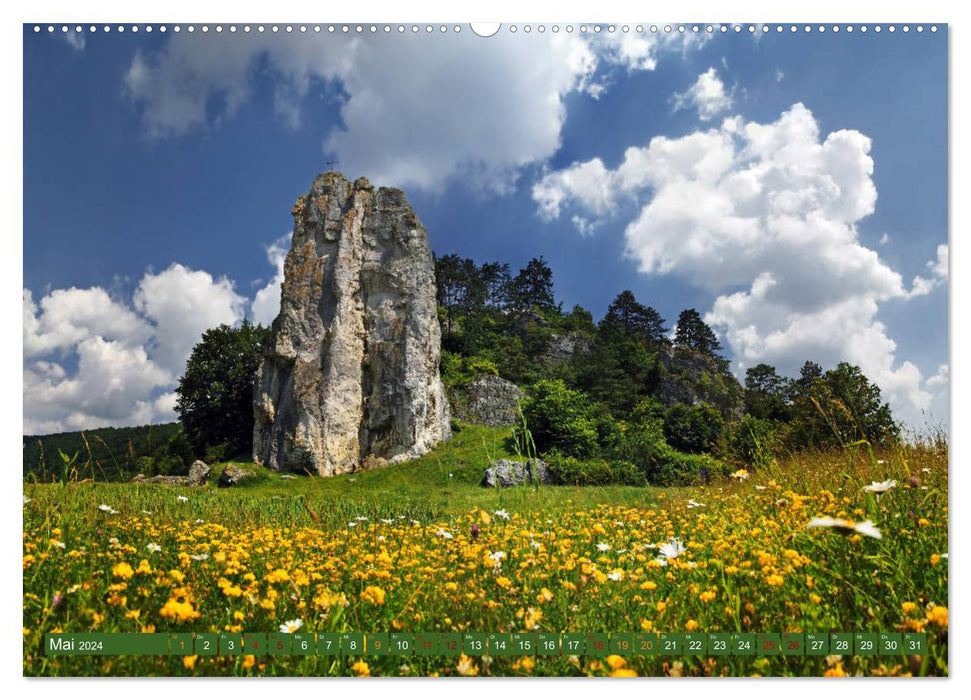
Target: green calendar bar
(279, 644)
(793, 644)
(719, 644)
(496, 644)
(646, 644)
(671, 644)
(622, 644)
(817, 644)
(377, 644)
(547, 644)
(108, 644)
(427, 645)
(768, 645)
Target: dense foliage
(627, 401)
(101, 453)
(215, 395)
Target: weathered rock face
(691, 378)
(487, 400)
(508, 472)
(352, 371)
(198, 473)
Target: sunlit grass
(394, 550)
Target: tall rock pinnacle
(351, 376)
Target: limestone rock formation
(487, 400)
(352, 371)
(509, 472)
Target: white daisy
(60, 545)
(846, 527)
(880, 486)
(27, 500)
(673, 549)
(291, 626)
(152, 547)
(501, 514)
(444, 533)
(352, 524)
(361, 517)
(741, 475)
(387, 521)
(603, 547)
(616, 575)
(107, 509)
(199, 557)
(497, 557)
(182, 499)
(694, 504)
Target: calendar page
(540, 349)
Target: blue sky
(791, 187)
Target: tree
(765, 393)
(809, 373)
(533, 286)
(215, 395)
(497, 281)
(628, 316)
(840, 406)
(694, 334)
(618, 372)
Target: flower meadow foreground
(805, 546)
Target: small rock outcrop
(198, 473)
(487, 400)
(352, 370)
(692, 377)
(232, 475)
(161, 479)
(509, 472)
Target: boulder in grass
(508, 472)
(233, 475)
(198, 473)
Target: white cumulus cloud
(707, 95)
(94, 361)
(266, 303)
(765, 217)
(412, 113)
(182, 303)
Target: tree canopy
(215, 395)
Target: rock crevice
(352, 371)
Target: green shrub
(642, 443)
(145, 465)
(693, 429)
(457, 370)
(570, 471)
(560, 418)
(680, 469)
(753, 440)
